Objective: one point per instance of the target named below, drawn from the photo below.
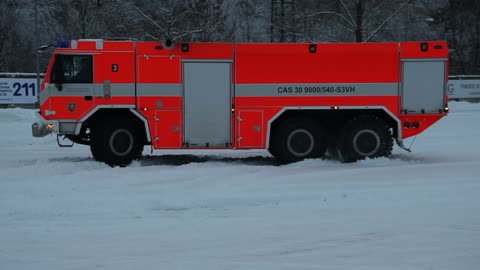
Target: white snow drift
(59, 209)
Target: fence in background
(18, 90)
(464, 87)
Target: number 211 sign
(18, 91)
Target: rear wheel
(297, 139)
(364, 137)
(116, 143)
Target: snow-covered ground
(59, 209)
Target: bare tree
(364, 19)
(249, 17)
(457, 21)
(15, 47)
(208, 17)
(461, 28)
(118, 19)
(8, 21)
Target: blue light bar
(63, 44)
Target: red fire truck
(296, 100)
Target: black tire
(363, 137)
(96, 140)
(116, 143)
(297, 139)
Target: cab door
(71, 86)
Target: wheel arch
(117, 111)
(334, 114)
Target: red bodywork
(143, 63)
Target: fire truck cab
(296, 100)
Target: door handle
(89, 98)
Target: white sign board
(463, 89)
(18, 91)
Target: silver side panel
(423, 86)
(116, 90)
(89, 89)
(316, 89)
(207, 104)
(159, 89)
(73, 89)
(43, 96)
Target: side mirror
(42, 48)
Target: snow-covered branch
(335, 14)
(151, 20)
(348, 12)
(386, 21)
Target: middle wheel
(297, 139)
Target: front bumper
(44, 127)
(40, 130)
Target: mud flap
(401, 145)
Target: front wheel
(116, 144)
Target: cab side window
(72, 69)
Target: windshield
(72, 69)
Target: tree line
(456, 21)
